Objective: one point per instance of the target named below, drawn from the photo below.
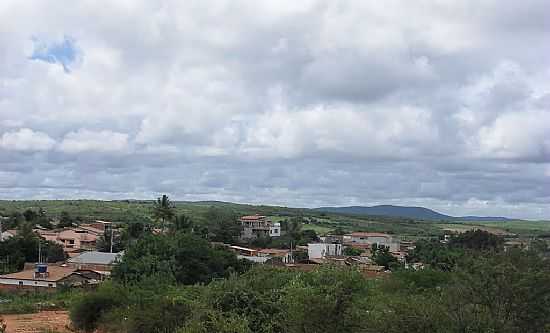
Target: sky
(442, 104)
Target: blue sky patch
(63, 52)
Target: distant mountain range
(417, 213)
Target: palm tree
(163, 210)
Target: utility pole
(39, 251)
(291, 255)
(112, 238)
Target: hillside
(417, 213)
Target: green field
(320, 230)
(519, 228)
(533, 228)
(126, 210)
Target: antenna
(39, 251)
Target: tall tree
(30, 215)
(181, 223)
(223, 225)
(163, 210)
(382, 256)
(65, 220)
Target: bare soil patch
(45, 321)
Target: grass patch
(32, 302)
(320, 230)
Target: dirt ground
(46, 321)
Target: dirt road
(45, 321)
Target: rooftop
(240, 248)
(253, 217)
(275, 252)
(56, 273)
(96, 258)
(369, 234)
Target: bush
(89, 309)
(219, 322)
(181, 258)
(163, 314)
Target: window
(50, 285)
(20, 283)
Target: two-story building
(71, 239)
(257, 226)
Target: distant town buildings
(367, 239)
(75, 240)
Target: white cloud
(347, 92)
(25, 139)
(518, 135)
(85, 140)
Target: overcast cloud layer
(444, 104)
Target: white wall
(321, 250)
(275, 230)
(28, 283)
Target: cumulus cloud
(298, 103)
(84, 140)
(25, 139)
(518, 136)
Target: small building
(43, 277)
(282, 255)
(370, 238)
(257, 226)
(323, 250)
(243, 251)
(100, 262)
(262, 256)
(330, 238)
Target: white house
(322, 250)
(44, 276)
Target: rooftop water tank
(41, 268)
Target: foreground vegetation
(488, 292)
(177, 282)
(176, 276)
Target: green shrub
(218, 322)
(88, 310)
(163, 314)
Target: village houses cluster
(86, 266)
(330, 248)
